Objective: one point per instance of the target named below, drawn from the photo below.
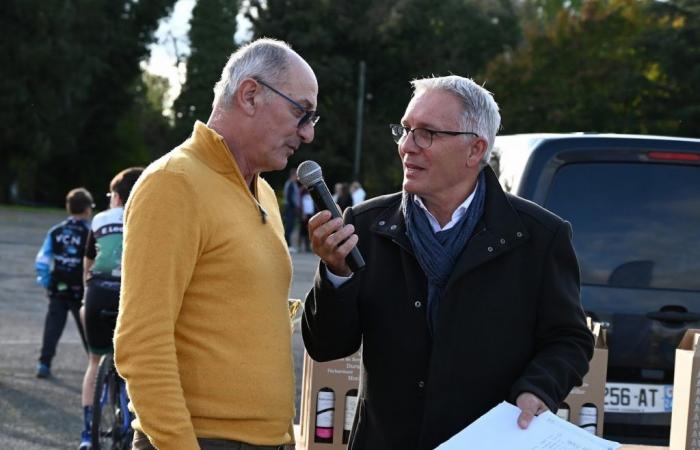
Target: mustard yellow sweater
(203, 336)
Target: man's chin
(281, 164)
(409, 187)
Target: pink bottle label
(325, 433)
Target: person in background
(102, 273)
(470, 296)
(344, 199)
(337, 188)
(203, 336)
(358, 193)
(307, 210)
(292, 207)
(59, 269)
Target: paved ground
(45, 414)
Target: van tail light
(674, 156)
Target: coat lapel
(499, 230)
(391, 225)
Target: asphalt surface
(43, 414)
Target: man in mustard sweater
(203, 335)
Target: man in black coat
(470, 296)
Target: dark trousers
(290, 219)
(141, 442)
(55, 322)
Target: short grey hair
(264, 58)
(480, 109)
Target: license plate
(638, 398)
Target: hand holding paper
(530, 406)
(497, 430)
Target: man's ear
(247, 98)
(476, 152)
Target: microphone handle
(322, 198)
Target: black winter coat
(510, 321)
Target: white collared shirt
(456, 215)
(337, 280)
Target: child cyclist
(102, 282)
(59, 269)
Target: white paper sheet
(498, 430)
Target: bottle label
(588, 418)
(350, 407)
(324, 411)
(590, 428)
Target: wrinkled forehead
(301, 82)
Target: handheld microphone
(309, 173)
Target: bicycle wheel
(104, 406)
(125, 437)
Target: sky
(171, 40)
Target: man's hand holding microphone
(331, 240)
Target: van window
(635, 225)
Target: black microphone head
(309, 173)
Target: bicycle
(111, 418)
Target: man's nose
(306, 133)
(408, 145)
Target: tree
(69, 74)
(608, 66)
(144, 133)
(212, 27)
(398, 41)
(674, 44)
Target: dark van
(634, 205)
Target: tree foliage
(212, 27)
(398, 41)
(674, 45)
(76, 106)
(70, 76)
(602, 67)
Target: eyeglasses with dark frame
(308, 117)
(422, 137)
